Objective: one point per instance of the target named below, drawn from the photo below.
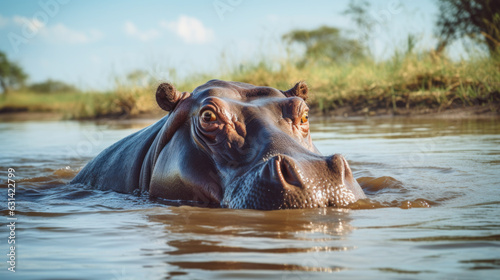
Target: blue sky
(88, 43)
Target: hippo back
(119, 166)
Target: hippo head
(243, 146)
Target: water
(433, 211)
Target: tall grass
(407, 81)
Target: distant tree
(325, 44)
(138, 78)
(357, 10)
(52, 86)
(477, 19)
(11, 74)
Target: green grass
(35, 102)
(400, 84)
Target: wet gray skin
(230, 144)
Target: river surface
(433, 210)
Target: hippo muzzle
(283, 182)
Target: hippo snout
(284, 182)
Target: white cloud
(133, 31)
(130, 28)
(60, 33)
(57, 33)
(33, 24)
(190, 29)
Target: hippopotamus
(228, 144)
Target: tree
(477, 19)
(138, 78)
(52, 86)
(325, 44)
(358, 11)
(11, 74)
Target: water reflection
(224, 239)
(396, 128)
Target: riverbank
(414, 85)
(472, 112)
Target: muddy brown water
(433, 211)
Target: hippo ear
(300, 90)
(167, 96)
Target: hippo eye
(305, 117)
(208, 116)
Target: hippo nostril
(338, 164)
(287, 171)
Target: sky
(90, 43)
